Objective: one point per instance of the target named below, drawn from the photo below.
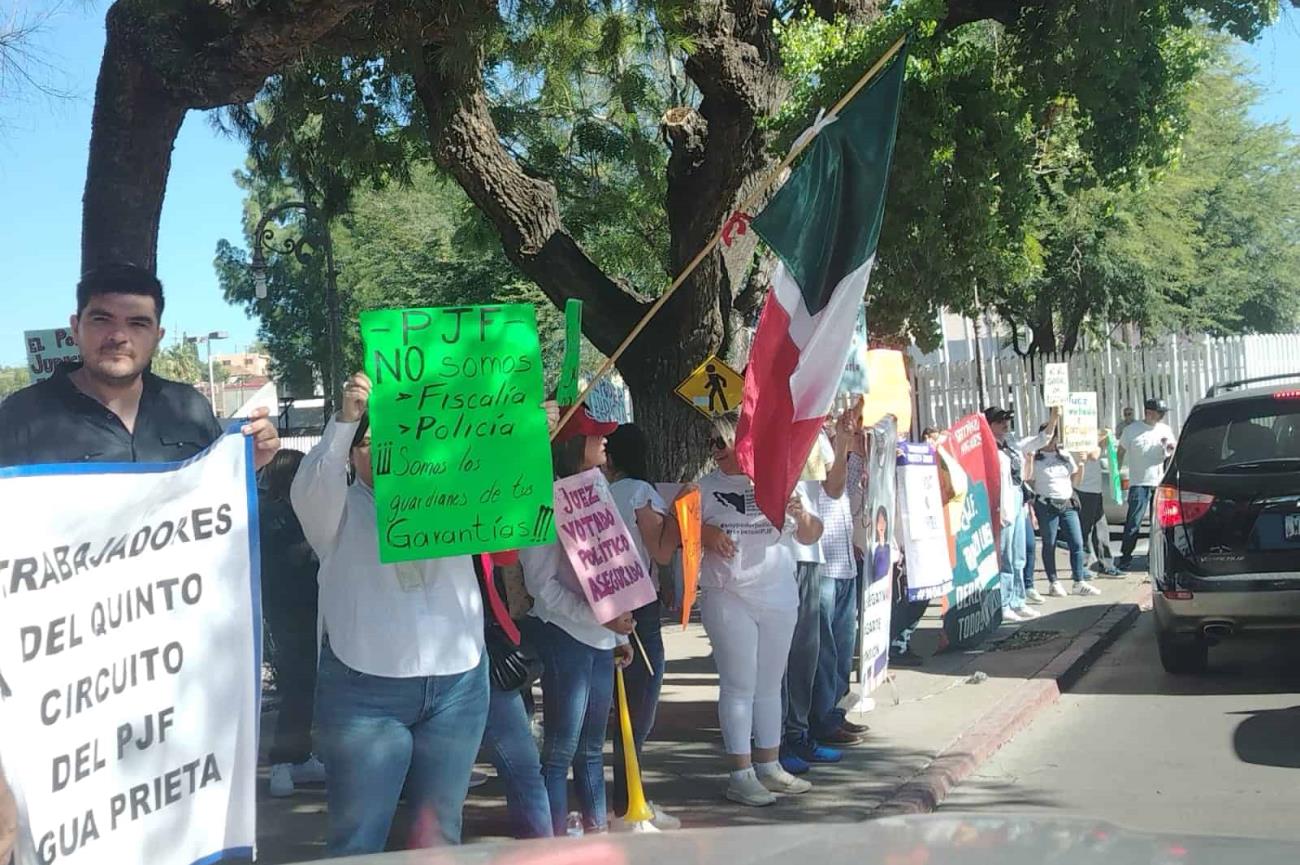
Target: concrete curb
(923, 792)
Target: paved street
(1218, 754)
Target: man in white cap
(1144, 446)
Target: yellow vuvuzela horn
(638, 810)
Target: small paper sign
(599, 546)
(1080, 422)
(1056, 384)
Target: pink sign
(599, 546)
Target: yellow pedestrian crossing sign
(713, 389)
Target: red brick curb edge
(923, 792)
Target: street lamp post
(212, 379)
(317, 235)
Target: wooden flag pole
(753, 198)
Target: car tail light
(1286, 394)
(1180, 507)
(1177, 595)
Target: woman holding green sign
(578, 652)
(402, 690)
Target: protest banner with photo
(599, 546)
(924, 541)
(1080, 433)
(130, 642)
(688, 521)
(459, 442)
(1056, 384)
(46, 349)
(973, 609)
(879, 512)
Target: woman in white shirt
(1057, 510)
(402, 689)
(577, 651)
(749, 606)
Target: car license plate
(1291, 527)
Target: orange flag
(688, 519)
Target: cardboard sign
(566, 389)
(713, 389)
(1080, 421)
(688, 520)
(973, 609)
(130, 637)
(1056, 384)
(879, 513)
(46, 349)
(890, 393)
(854, 378)
(459, 444)
(925, 547)
(608, 401)
(594, 536)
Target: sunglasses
(718, 443)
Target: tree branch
(524, 210)
(1005, 11)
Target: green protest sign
(458, 442)
(566, 389)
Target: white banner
(1080, 422)
(130, 646)
(924, 537)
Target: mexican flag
(823, 225)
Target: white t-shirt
(1092, 478)
(1052, 475)
(1144, 447)
(763, 568)
(631, 495)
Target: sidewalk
(930, 727)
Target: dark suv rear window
(1260, 434)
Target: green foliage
(13, 379)
(180, 362)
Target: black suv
(1225, 539)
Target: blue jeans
(1139, 499)
(577, 692)
(1067, 523)
(509, 741)
(805, 650)
(376, 733)
(1029, 555)
(1011, 560)
(839, 632)
(642, 695)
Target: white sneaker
(1058, 591)
(1009, 615)
(281, 780)
(662, 820)
(1086, 589)
(310, 771)
(745, 788)
(1032, 596)
(778, 780)
(1028, 615)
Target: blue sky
(43, 148)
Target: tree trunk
(158, 63)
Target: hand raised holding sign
(356, 398)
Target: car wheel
(1182, 655)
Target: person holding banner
(578, 652)
(1055, 471)
(402, 689)
(653, 525)
(1091, 487)
(749, 604)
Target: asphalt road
(1211, 755)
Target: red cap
(583, 424)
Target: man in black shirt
(110, 408)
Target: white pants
(750, 647)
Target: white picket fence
(1179, 369)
